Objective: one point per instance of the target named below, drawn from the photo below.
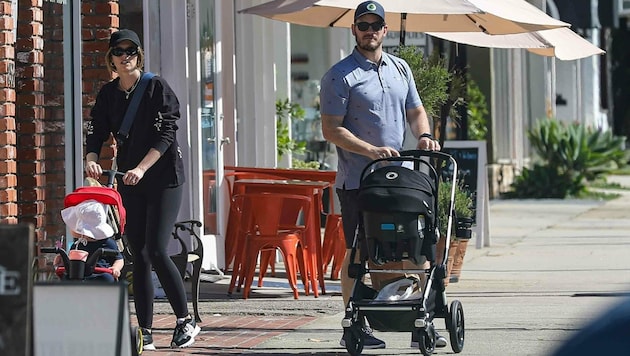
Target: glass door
(215, 198)
(209, 113)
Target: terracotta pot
(458, 261)
(452, 251)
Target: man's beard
(370, 46)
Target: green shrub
(571, 155)
(543, 181)
(462, 207)
(477, 111)
(299, 164)
(286, 109)
(431, 76)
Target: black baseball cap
(124, 35)
(369, 7)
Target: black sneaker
(147, 339)
(184, 333)
(369, 340)
(440, 341)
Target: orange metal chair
(234, 215)
(264, 229)
(334, 245)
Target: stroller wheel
(354, 340)
(455, 326)
(136, 341)
(427, 339)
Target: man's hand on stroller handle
(428, 143)
(383, 152)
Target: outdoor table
(299, 174)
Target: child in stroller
(96, 218)
(88, 224)
(399, 208)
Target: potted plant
(460, 231)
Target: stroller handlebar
(425, 153)
(89, 264)
(111, 176)
(101, 252)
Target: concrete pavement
(552, 266)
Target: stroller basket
(398, 207)
(387, 315)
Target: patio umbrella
(488, 16)
(561, 43)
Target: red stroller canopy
(104, 195)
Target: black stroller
(399, 207)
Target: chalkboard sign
(471, 166)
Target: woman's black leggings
(150, 219)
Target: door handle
(225, 140)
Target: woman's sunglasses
(376, 26)
(131, 51)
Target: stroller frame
(76, 270)
(404, 315)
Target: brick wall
(32, 117)
(54, 125)
(8, 166)
(29, 84)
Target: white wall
(260, 42)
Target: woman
(151, 186)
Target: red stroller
(79, 264)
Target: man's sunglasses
(131, 51)
(376, 26)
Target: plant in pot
(460, 230)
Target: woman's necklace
(133, 87)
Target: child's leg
(101, 277)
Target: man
(366, 99)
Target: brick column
(100, 19)
(8, 168)
(29, 116)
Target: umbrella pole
(403, 23)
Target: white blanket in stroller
(402, 289)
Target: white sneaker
(147, 340)
(184, 333)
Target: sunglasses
(130, 51)
(376, 26)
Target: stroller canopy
(104, 195)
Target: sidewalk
(551, 267)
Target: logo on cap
(371, 7)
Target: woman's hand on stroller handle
(93, 169)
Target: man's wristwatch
(427, 135)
